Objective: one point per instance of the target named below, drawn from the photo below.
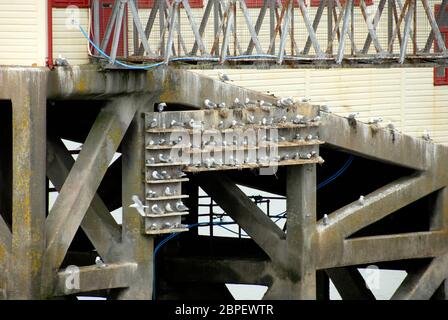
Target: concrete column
(301, 230)
(137, 247)
(29, 178)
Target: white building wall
(23, 32)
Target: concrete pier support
(29, 178)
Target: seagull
(391, 126)
(264, 121)
(164, 159)
(156, 209)
(162, 142)
(61, 61)
(151, 194)
(375, 120)
(221, 124)
(285, 157)
(153, 123)
(265, 104)
(221, 105)
(161, 106)
(250, 119)
(156, 175)
(325, 219)
(138, 205)
(150, 160)
(313, 154)
(309, 137)
(285, 102)
(426, 136)
(193, 124)
(180, 174)
(168, 192)
(282, 119)
(296, 156)
(150, 143)
(99, 262)
(352, 115)
(316, 119)
(209, 105)
(237, 103)
(165, 175)
(174, 123)
(223, 77)
(304, 100)
(168, 207)
(153, 226)
(180, 206)
(166, 225)
(298, 119)
(361, 200)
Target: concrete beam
(84, 179)
(422, 283)
(245, 212)
(28, 93)
(136, 247)
(366, 250)
(93, 278)
(353, 217)
(350, 283)
(374, 143)
(98, 224)
(301, 230)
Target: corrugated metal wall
(22, 32)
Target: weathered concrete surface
(293, 259)
(28, 93)
(93, 278)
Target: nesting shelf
(180, 142)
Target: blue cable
(147, 67)
(337, 174)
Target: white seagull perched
(426, 136)
(238, 104)
(209, 105)
(156, 209)
(164, 159)
(99, 262)
(298, 119)
(161, 106)
(138, 205)
(180, 206)
(153, 123)
(325, 219)
(352, 115)
(61, 61)
(156, 175)
(223, 77)
(361, 200)
(168, 207)
(168, 192)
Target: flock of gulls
(282, 121)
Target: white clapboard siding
(68, 41)
(406, 96)
(23, 38)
